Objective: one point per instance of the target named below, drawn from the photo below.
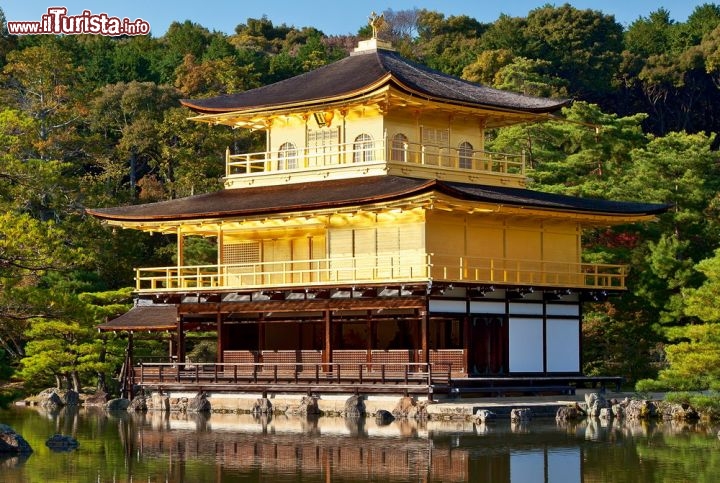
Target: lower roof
(268, 200)
(144, 317)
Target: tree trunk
(101, 382)
(68, 380)
(75, 381)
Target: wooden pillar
(130, 344)
(466, 340)
(424, 335)
(220, 339)
(370, 337)
(221, 279)
(180, 339)
(180, 257)
(126, 372)
(180, 248)
(261, 333)
(327, 353)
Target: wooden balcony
(365, 371)
(379, 270)
(378, 371)
(374, 158)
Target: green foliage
(447, 45)
(203, 351)
(485, 68)
(197, 251)
(530, 77)
(95, 121)
(579, 155)
(583, 46)
(679, 169)
(605, 332)
(506, 33)
(649, 385)
(693, 354)
(701, 302)
(650, 35)
(697, 400)
(67, 348)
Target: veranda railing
(382, 269)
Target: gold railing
(381, 269)
(327, 271)
(373, 152)
(528, 272)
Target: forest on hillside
(92, 121)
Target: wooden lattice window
(465, 155)
(436, 143)
(323, 146)
(435, 137)
(363, 149)
(399, 148)
(241, 253)
(323, 137)
(287, 156)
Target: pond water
(161, 447)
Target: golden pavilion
(375, 245)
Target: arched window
(363, 149)
(465, 155)
(287, 156)
(399, 148)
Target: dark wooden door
(488, 346)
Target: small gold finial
(375, 22)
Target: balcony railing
(374, 152)
(381, 269)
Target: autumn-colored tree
(484, 70)
(40, 81)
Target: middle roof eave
(337, 194)
(268, 200)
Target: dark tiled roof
(550, 201)
(269, 199)
(350, 192)
(144, 317)
(359, 73)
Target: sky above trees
(332, 18)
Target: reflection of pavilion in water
(333, 449)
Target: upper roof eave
(368, 90)
(347, 77)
